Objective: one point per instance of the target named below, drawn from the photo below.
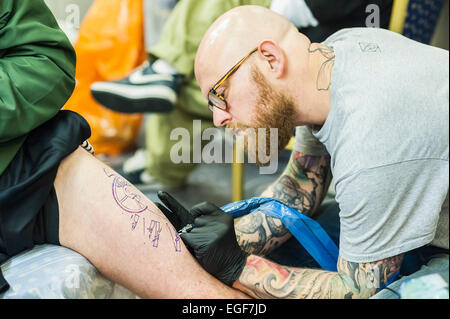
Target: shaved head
(232, 36)
(270, 87)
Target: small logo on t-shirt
(369, 47)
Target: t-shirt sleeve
(307, 143)
(389, 210)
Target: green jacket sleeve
(37, 67)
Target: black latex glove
(212, 239)
(175, 212)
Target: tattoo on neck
(323, 82)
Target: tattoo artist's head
(262, 88)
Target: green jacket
(37, 71)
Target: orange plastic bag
(109, 47)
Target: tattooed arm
(302, 186)
(262, 278)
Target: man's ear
(274, 56)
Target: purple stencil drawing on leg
(175, 239)
(126, 196)
(158, 230)
(150, 230)
(155, 227)
(143, 226)
(177, 242)
(135, 219)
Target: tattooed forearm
(323, 82)
(289, 191)
(304, 183)
(370, 276)
(302, 186)
(262, 278)
(259, 234)
(251, 234)
(276, 227)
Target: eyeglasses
(218, 100)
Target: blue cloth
(306, 230)
(293, 254)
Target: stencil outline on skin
(176, 241)
(155, 226)
(135, 219)
(129, 201)
(130, 198)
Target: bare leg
(125, 236)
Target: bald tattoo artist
(370, 108)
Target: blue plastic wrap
(307, 231)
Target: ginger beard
(274, 110)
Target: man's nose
(221, 118)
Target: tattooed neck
(323, 82)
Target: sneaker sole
(131, 106)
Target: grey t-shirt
(388, 136)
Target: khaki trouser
(180, 39)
